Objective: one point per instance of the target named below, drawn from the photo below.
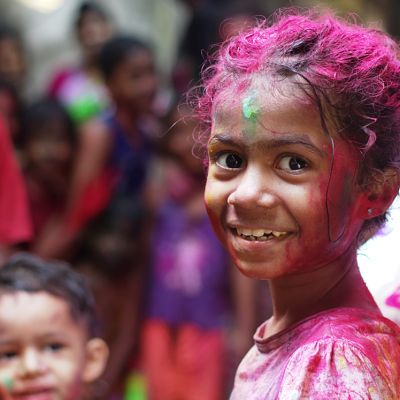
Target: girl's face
(270, 164)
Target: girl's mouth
(258, 234)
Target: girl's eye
(292, 163)
(54, 347)
(230, 161)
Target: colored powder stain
(371, 389)
(9, 383)
(250, 107)
(208, 198)
(342, 363)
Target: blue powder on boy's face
(250, 106)
(8, 383)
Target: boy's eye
(229, 161)
(7, 355)
(54, 347)
(292, 163)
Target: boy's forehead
(36, 311)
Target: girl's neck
(298, 296)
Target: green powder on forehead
(250, 106)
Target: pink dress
(344, 353)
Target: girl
(304, 157)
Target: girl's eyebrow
(273, 143)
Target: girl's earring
(369, 210)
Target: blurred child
(110, 258)
(183, 338)
(12, 58)
(47, 143)
(81, 90)
(302, 123)
(48, 348)
(15, 221)
(114, 149)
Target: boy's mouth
(34, 394)
(258, 234)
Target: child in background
(47, 144)
(114, 149)
(15, 221)
(81, 90)
(183, 337)
(304, 157)
(48, 348)
(109, 258)
(13, 64)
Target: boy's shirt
(15, 221)
(343, 353)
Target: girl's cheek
(215, 203)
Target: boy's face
(270, 171)
(44, 353)
(134, 82)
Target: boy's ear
(381, 193)
(96, 359)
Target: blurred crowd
(114, 185)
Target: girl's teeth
(258, 234)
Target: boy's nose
(253, 190)
(31, 363)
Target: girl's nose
(31, 363)
(254, 190)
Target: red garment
(15, 222)
(184, 363)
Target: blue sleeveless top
(128, 159)
(130, 162)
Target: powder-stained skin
(250, 106)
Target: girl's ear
(381, 193)
(96, 359)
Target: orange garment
(182, 363)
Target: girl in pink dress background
(301, 118)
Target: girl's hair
(351, 73)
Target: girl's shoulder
(330, 354)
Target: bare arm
(56, 240)
(93, 150)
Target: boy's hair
(116, 51)
(351, 73)
(89, 7)
(24, 272)
(42, 112)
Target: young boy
(47, 346)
